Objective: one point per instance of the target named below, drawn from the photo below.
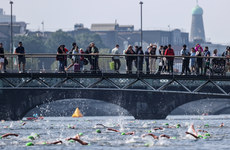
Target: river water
(52, 129)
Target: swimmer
(222, 125)
(160, 128)
(202, 131)
(77, 138)
(128, 133)
(23, 123)
(8, 134)
(156, 137)
(50, 143)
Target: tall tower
(197, 28)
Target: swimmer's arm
(110, 129)
(192, 135)
(129, 133)
(81, 142)
(57, 142)
(166, 136)
(152, 135)
(9, 134)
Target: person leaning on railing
(129, 59)
(60, 58)
(170, 52)
(93, 50)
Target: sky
(157, 14)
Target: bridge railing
(104, 63)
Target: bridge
(145, 96)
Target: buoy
(29, 144)
(77, 113)
(31, 137)
(98, 131)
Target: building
(197, 27)
(124, 35)
(6, 18)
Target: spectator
(226, 54)
(20, 51)
(161, 62)
(116, 59)
(207, 60)
(215, 53)
(93, 59)
(199, 62)
(147, 59)
(71, 56)
(60, 58)
(152, 59)
(185, 63)
(129, 59)
(170, 52)
(1, 58)
(65, 56)
(140, 60)
(193, 60)
(197, 47)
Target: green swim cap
(122, 133)
(149, 131)
(31, 137)
(200, 136)
(80, 134)
(98, 131)
(173, 138)
(44, 143)
(0, 137)
(71, 141)
(206, 125)
(146, 144)
(154, 121)
(207, 134)
(166, 124)
(204, 137)
(29, 144)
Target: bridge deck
(112, 75)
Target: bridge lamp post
(11, 27)
(141, 3)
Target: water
(56, 128)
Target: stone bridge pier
(15, 103)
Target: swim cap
(204, 137)
(98, 131)
(44, 143)
(206, 125)
(80, 134)
(149, 131)
(71, 141)
(122, 133)
(200, 136)
(29, 144)
(31, 137)
(147, 144)
(166, 124)
(0, 137)
(173, 138)
(207, 134)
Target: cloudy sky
(157, 14)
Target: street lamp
(141, 3)
(11, 28)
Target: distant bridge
(144, 96)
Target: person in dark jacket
(140, 60)
(60, 58)
(1, 58)
(170, 52)
(93, 59)
(147, 59)
(129, 59)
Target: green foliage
(32, 44)
(58, 38)
(84, 39)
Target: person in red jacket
(170, 52)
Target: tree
(32, 43)
(84, 39)
(58, 38)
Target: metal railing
(104, 63)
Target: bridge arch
(88, 107)
(139, 103)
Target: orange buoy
(77, 113)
